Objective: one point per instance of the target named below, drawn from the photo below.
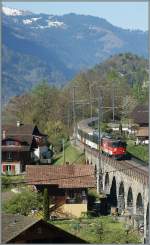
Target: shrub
(23, 203)
(6, 182)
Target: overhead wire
(71, 177)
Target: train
(115, 148)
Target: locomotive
(109, 146)
(113, 147)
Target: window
(8, 168)
(9, 156)
(11, 142)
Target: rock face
(55, 48)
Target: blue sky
(128, 15)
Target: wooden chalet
(67, 186)
(21, 145)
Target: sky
(128, 15)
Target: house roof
(23, 129)
(24, 139)
(143, 132)
(14, 226)
(23, 133)
(66, 176)
(15, 148)
(140, 114)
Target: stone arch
(107, 179)
(130, 200)
(147, 217)
(121, 199)
(113, 193)
(106, 184)
(139, 205)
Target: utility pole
(91, 112)
(113, 102)
(74, 115)
(99, 167)
(83, 110)
(63, 143)
(68, 117)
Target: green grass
(72, 155)
(99, 230)
(139, 151)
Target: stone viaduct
(127, 183)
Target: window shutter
(13, 168)
(4, 168)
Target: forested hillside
(51, 108)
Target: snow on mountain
(27, 21)
(14, 12)
(35, 19)
(55, 23)
(30, 21)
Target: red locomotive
(113, 147)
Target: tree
(56, 131)
(46, 205)
(120, 128)
(23, 203)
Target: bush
(9, 182)
(23, 203)
(6, 182)
(92, 197)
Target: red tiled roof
(23, 129)
(66, 176)
(22, 133)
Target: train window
(123, 144)
(119, 144)
(115, 144)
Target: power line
(79, 176)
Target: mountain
(39, 47)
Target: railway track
(137, 164)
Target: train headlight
(115, 149)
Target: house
(140, 116)
(26, 229)
(142, 136)
(67, 186)
(127, 128)
(23, 144)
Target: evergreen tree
(46, 205)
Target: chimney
(18, 123)
(4, 134)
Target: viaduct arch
(126, 185)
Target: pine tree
(46, 205)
